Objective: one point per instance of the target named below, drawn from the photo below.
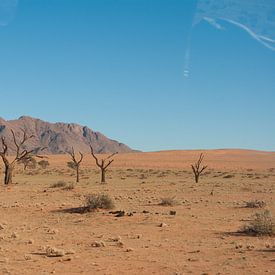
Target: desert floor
(200, 239)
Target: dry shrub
(255, 204)
(263, 224)
(168, 201)
(69, 186)
(98, 201)
(59, 184)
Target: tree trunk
(77, 174)
(8, 174)
(103, 172)
(197, 178)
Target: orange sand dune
(220, 159)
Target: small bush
(72, 165)
(43, 164)
(98, 201)
(255, 204)
(168, 201)
(69, 187)
(262, 224)
(59, 184)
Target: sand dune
(215, 159)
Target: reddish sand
(200, 239)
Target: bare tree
(21, 154)
(198, 168)
(102, 164)
(75, 164)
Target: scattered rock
(27, 257)
(14, 235)
(115, 239)
(120, 214)
(120, 244)
(98, 244)
(54, 252)
(163, 225)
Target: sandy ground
(200, 239)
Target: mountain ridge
(59, 137)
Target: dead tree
(75, 164)
(102, 164)
(198, 168)
(21, 154)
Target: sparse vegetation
(168, 201)
(59, 184)
(102, 164)
(198, 169)
(29, 162)
(262, 224)
(255, 204)
(68, 187)
(98, 201)
(75, 164)
(43, 164)
(21, 154)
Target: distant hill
(59, 137)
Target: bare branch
(94, 156)
(111, 156)
(108, 163)
(197, 169)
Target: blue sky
(117, 66)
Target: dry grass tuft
(59, 184)
(168, 201)
(98, 201)
(255, 204)
(262, 225)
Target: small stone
(98, 244)
(115, 239)
(129, 249)
(14, 235)
(27, 257)
(163, 225)
(54, 252)
(120, 244)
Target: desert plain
(198, 234)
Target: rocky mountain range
(58, 138)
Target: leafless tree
(75, 164)
(198, 168)
(103, 165)
(21, 154)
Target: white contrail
(257, 37)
